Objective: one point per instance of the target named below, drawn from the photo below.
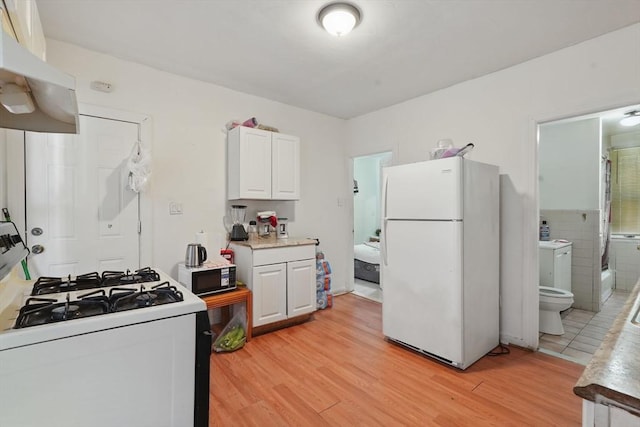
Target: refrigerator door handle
(384, 241)
(383, 247)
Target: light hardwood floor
(338, 370)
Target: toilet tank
(555, 264)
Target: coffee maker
(238, 231)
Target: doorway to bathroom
(589, 196)
(367, 190)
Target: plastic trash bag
(234, 334)
(139, 165)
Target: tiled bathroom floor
(368, 290)
(584, 330)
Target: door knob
(37, 249)
(36, 231)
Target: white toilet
(555, 285)
(552, 302)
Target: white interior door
(79, 209)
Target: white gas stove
(63, 314)
(100, 338)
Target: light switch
(175, 208)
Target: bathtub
(624, 259)
(366, 262)
(606, 287)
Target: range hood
(34, 96)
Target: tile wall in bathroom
(581, 227)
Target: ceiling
(276, 49)
(610, 120)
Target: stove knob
(37, 249)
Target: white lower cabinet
(301, 297)
(269, 289)
(282, 280)
(599, 415)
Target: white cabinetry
(269, 287)
(25, 25)
(262, 165)
(301, 287)
(285, 167)
(600, 415)
(282, 280)
(555, 265)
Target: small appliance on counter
(208, 279)
(267, 220)
(283, 225)
(195, 256)
(237, 232)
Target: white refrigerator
(440, 258)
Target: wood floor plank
(338, 370)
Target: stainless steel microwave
(207, 280)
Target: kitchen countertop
(272, 242)
(613, 374)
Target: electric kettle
(195, 256)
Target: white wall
(569, 159)
(570, 190)
(625, 140)
(581, 228)
(188, 153)
(499, 113)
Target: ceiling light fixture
(339, 18)
(631, 118)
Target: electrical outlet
(175, 208)
(102, 86)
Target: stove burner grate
(123, 299)
(143, 275)
(39, 311)
(51, 285)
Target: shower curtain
(606, 213)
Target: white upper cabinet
(262, 165)
(285, 164)
(23, 22)
(248, 163)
